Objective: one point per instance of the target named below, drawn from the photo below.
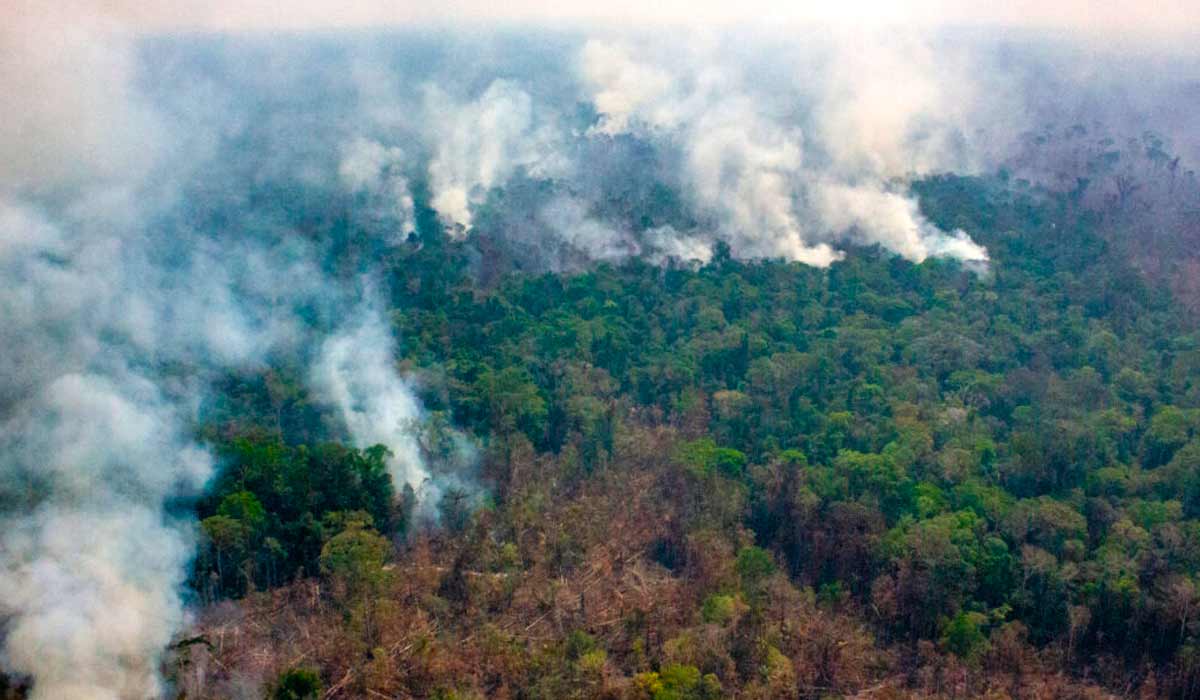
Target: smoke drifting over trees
(175, 207)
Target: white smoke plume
(568, 219)
(357, 374)
(891, 220)
(878, 117)
(120, 304)
(738, 164)
(665, 243)
(890, 105)
(480, 144)
(374, 171)
(90, 563)
(792, 154)
(91, 577)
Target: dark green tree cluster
(276, 510)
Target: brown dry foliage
(487, 613)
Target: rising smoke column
(117, 313)
(737, 163)
(797, 163)
(873, 122)
(375, 173)
(356, 373)
(113, 331)
(90, 564)
(479, 144)
(788, 167)
(92, 571)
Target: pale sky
(1107, 17)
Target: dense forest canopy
(996, 464)
(547, 366)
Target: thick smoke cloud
(874, 121)
(133, 278)
(92, 572)
(177, 207)
(794, 161)
(480, 144)
(91, 564)
(738, 164)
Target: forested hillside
(736, 479)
